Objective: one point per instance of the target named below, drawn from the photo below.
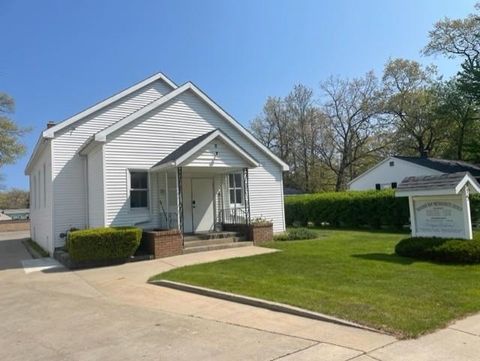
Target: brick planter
(163, 243)
(260, 233)
(257, 233)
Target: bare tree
(305, 120)
(352, 109)
(272, 127)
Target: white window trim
(235, 205)
(129, 189)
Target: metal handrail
(233, 215)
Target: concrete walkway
(111, 313)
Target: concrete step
(212, 235)
(209, 242)
(216, 247)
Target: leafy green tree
(469, 80)
(460, 38)
(459, 112)
(10, 145)
(411, 103)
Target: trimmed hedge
(440, 249)
(101, 244)
(295, 234)
(352, 209)
(356, 209)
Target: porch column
(246, 195)
(180, 200)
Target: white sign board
(439, 217)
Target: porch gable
(212, 149)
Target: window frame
(130, 189)
(33, 203)
(44, 185)
(235, 188)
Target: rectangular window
(44, 185)
(138, 189)
(378, 186)
(392, 163)
(394, 185)
(39, 186)
(34, 188)
(235, 188)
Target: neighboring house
(290, 191)
(155, 155)
(17, 214)
(391, 171)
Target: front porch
(196, 207)
(197, 200)
(200, 194)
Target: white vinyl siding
(41, 200)
(69, 168)
(96, 215)
(217, 154)
(384, 174)
(149, 139)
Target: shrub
(446, 250)
(354, 209)
(296, 234)
(99, 244)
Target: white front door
(202, 204)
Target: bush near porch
(101, 244)
(354, 275)
(355, 209)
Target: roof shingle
(431, 182)
(443, 165)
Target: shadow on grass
(385, 257)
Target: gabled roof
(451, 183)
(189, 86)
(189, 148)
(443, 165)
(101, 136)
(50, 132)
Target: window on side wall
(138, 189)
(235, 189)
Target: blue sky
(59, 57)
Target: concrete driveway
(49, 313)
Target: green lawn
(353, 275)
